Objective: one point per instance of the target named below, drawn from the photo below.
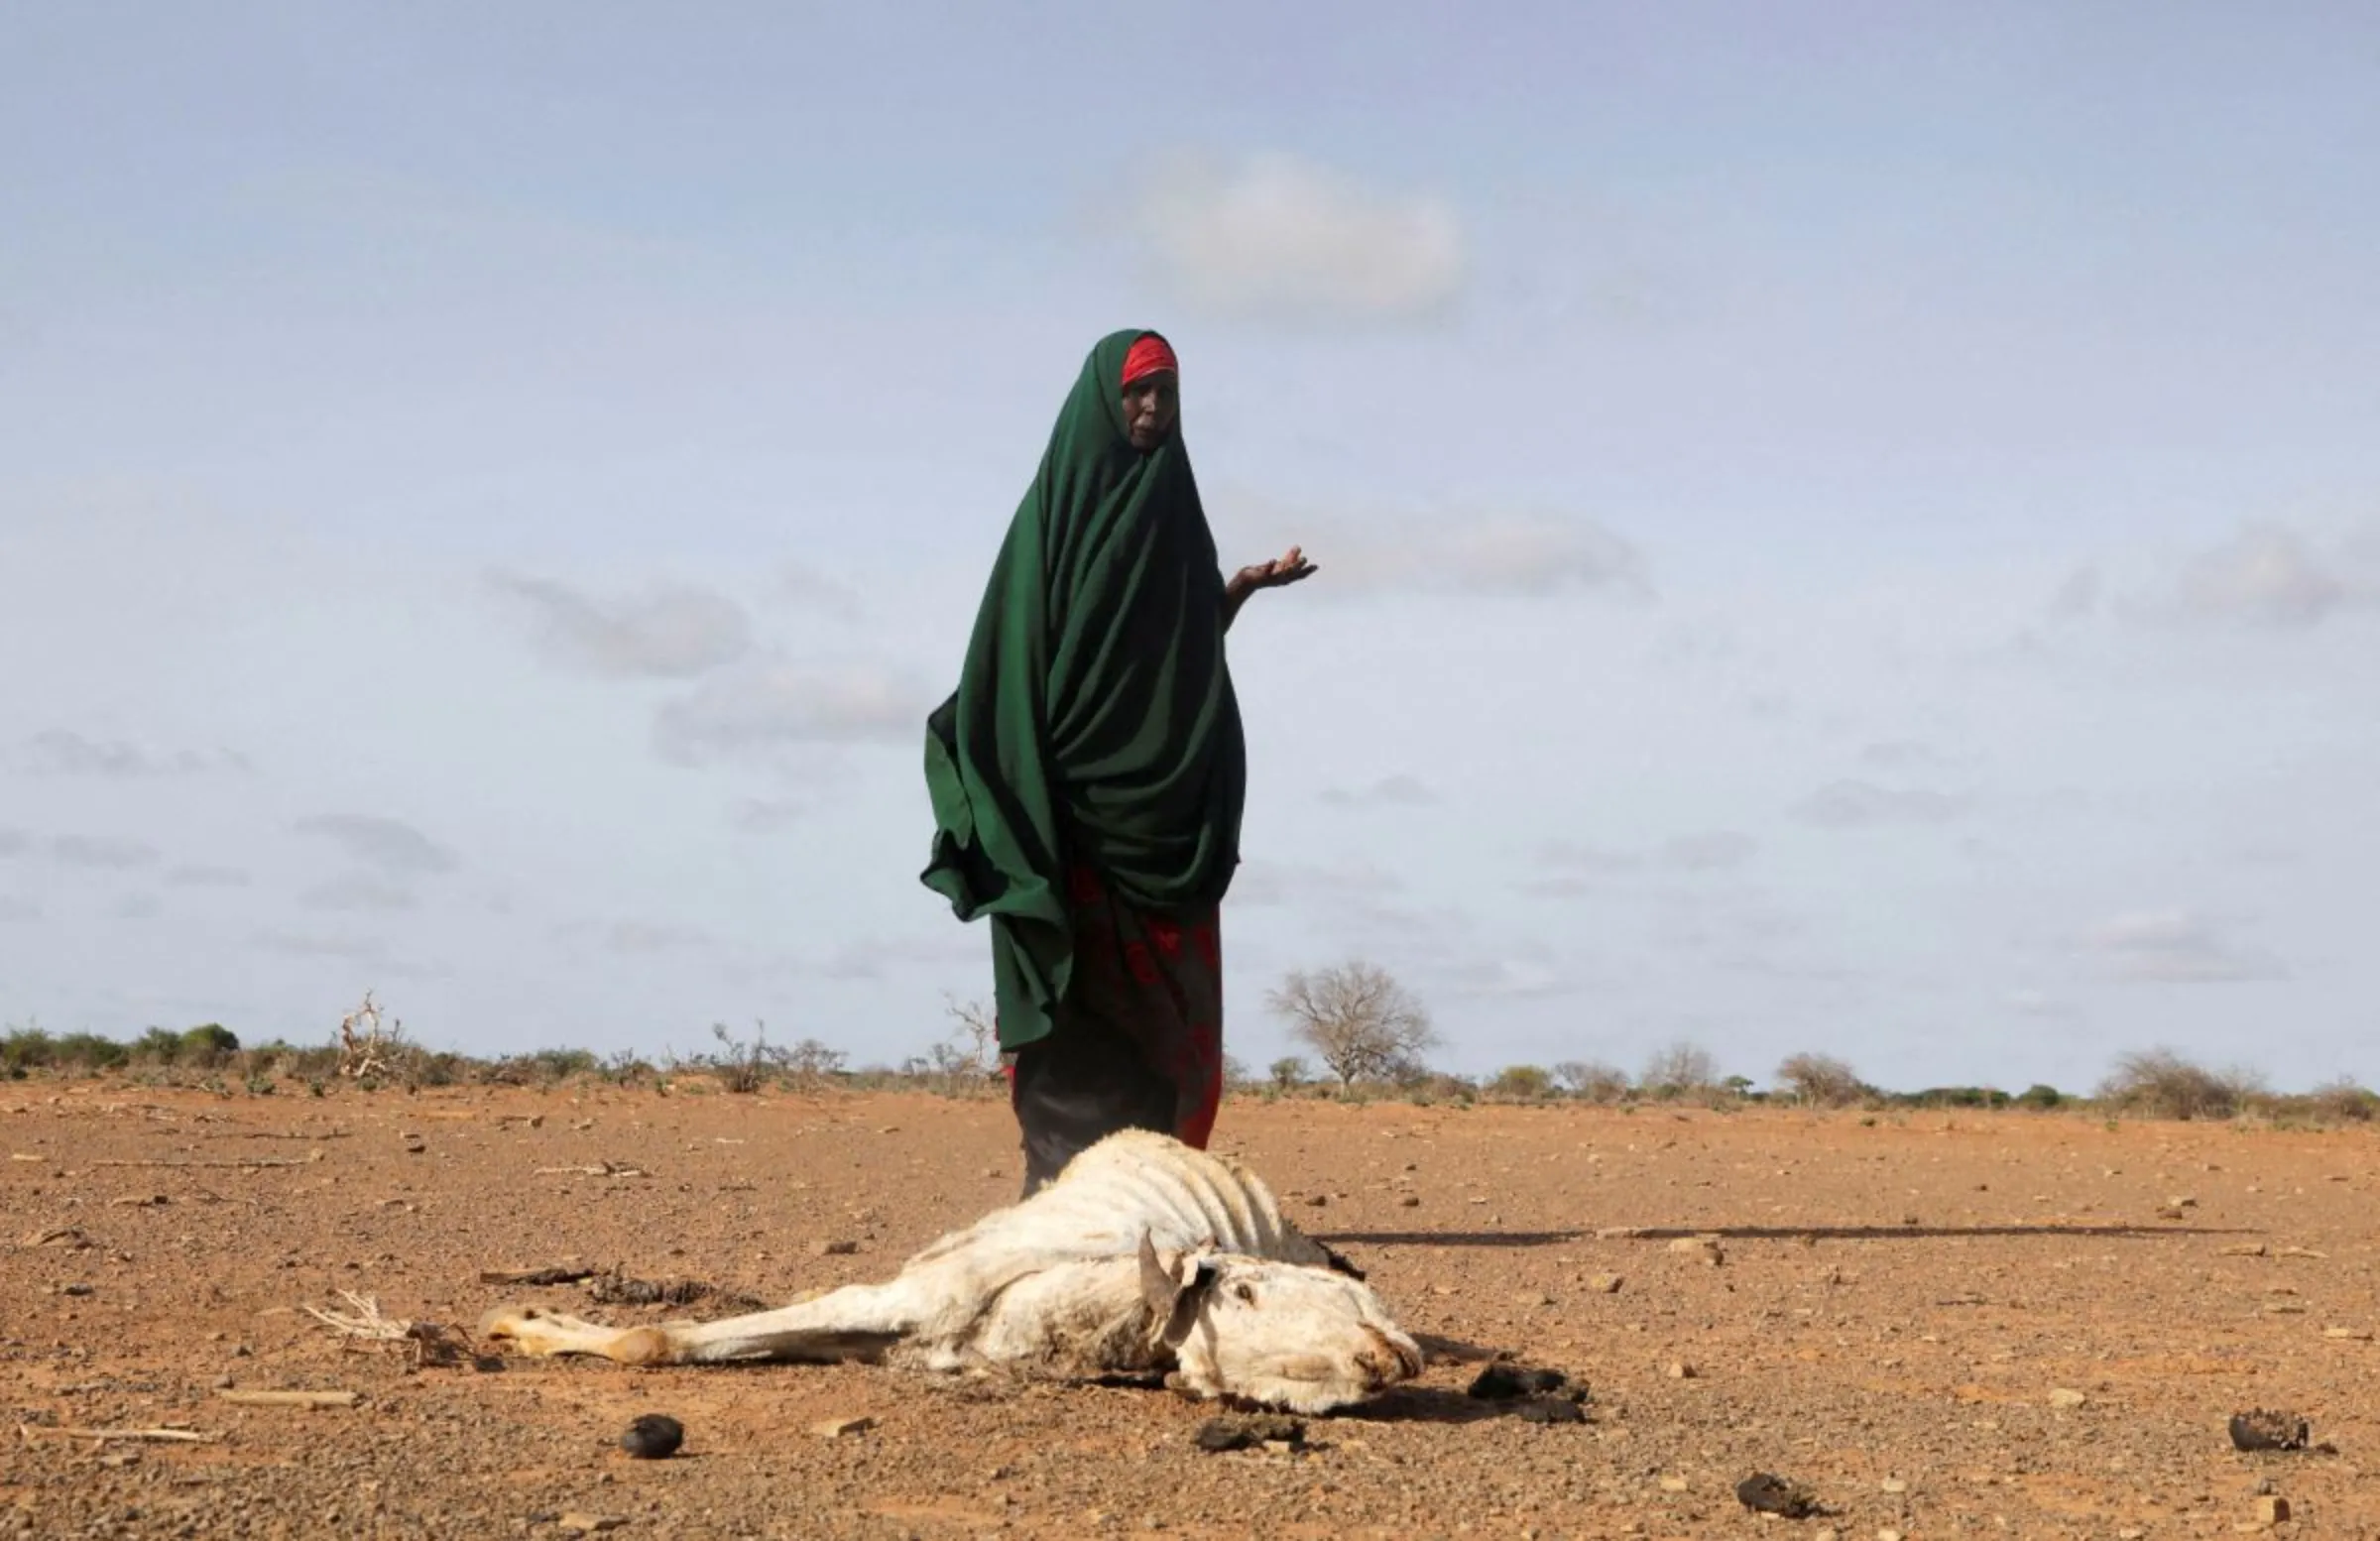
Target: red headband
(1149, 355)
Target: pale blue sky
(1850, 527)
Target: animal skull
(1277, 1333)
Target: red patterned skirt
(1138, 1037)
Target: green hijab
(1094, 721)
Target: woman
(1088, 773)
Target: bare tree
(1820, 1079)
(977, 1030)
(1357, 1019)
(1680, 1070)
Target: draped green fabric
(1094, 722)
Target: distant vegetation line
(368, 1054)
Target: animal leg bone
(856, 1322)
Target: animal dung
(1502, 1381)
(1550, 1409)
(1241, 1432)
(1765, 1492)
(653, 1437)
(2262, 1428)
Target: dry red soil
(1896, 1304)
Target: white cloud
(2175, 946)
(802, 587)
(782, 705)
(667, 631)
(1281, 238)
(1402, 791)
(1903, 754)
(1721, 850)
(2270, 576)
(14, 841)
(391, 845)
(2076, 596)
(1718, 850)
(357, 892)
(198, 875)
(1523, 557)
(107, 853)
(17, 911)
(1458, 552)
(137, 906)
(1851, 804)
(64, 751)
(766, 816)
(348, 949)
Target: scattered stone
(1673, 1485)
(578, 1524)
(2304, 1252)
(1618, 1233)
(1888, 1535)
(653, 1437)
(2272, 1509)
(1241, 1431)
(1894, 1485)
(119, 1459)
(2284, 1308)
(1605, 1283)
(838, 1428)
(2066, 1396)
(1679, 1370)
(2348, 1334)
(2241, 1249)
(1532, 1297)
(2264, 1428)
(76, 1289)
(1766, 1493)
(1317, 1199)
(1702, 1249)
(834, 1249)
(1409, 1201)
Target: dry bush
(2343, 1100)
(1592, 1080)
(1822, 1081)
(1520, 1084)
(1680, 1070)
(2162, 1084)
(1358, 1018)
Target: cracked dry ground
(1897, 1302)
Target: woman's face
(1151, 404)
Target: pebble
(836, 1428)
(1605, 1283)
(2064, 1396)
(1894, 1485)
(1701, 1248)
(835, 1248)
(2271, 1510)
(578, 1524)
(1409, 1201)
(1679, 1370)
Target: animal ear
(1158, 1287)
